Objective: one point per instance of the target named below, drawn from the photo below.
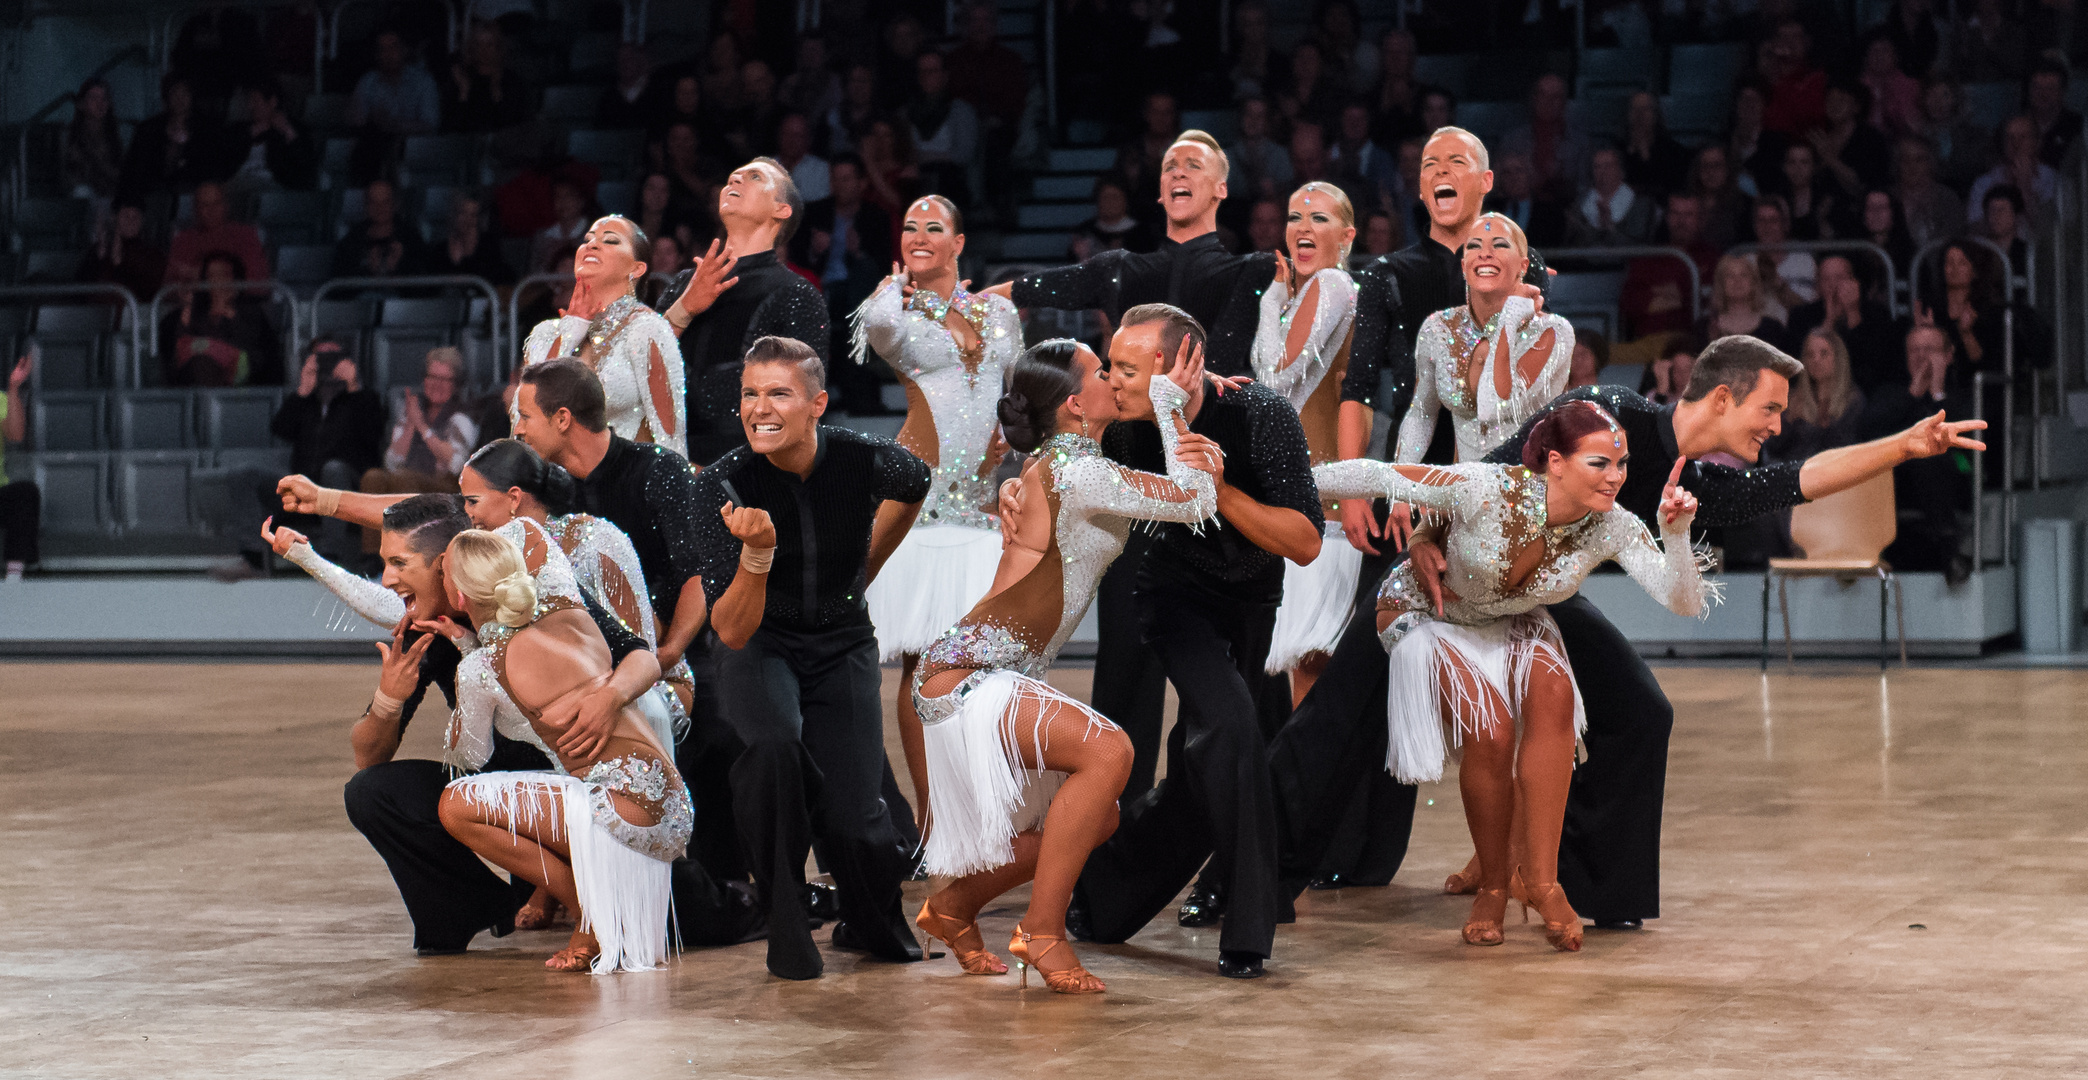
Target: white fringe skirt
(1318, 600)
(625, 896)
(980, 792)
(1500, 655)
(934, 578)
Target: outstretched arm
(1670, 572)
(1844, 467)
(301, 496)
(1429, 486)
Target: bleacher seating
(1706, 70)
(48, 223)
(153, 491)
(155, 420)
(75, 342)
(616, 153)
(75, 489)
(436, 159)
(304, 266)
(570, 104)
(1613, 68)
(62, 420)
(292, 217)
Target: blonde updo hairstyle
(1344, 210)
(488, 569)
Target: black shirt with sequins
(649, 492)
(1725, 495)
(770, 300)
(822, 524)
(1265, 458)
(1220, 289)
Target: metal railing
(400, 284)
(1839, 247)
(293, 331)
(551, 283)
(1640, 251)
(130, 305)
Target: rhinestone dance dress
(980, 791)
(945, 563)
(1497, 630)
(1317, 597)
(621, 868)
(1449, 342)
(619, 345)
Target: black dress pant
(1130, 687)
(1609, 854)
(21, 513)
(1328, 760)
(1216, 801)
(705, 756)
(807, 705)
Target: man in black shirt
(1220, 290)
(737, 293)
(1609, 855)
(1206, 601)
(786, 545)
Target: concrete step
(1062, 187)
(1080, 159)
(1052, 215)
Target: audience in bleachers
(123, 255)
(2044, 101)
(1740, 306)
(1608, 211)
(174, 150)
(484, 95)
(211, 229)
(272, 152)
(1933, 494)
(1112, 227)
(335, 427)
(20, 503)
(219, 335)
(2020, 167)
(572, 211)
(432, 435)
(466, 249)
(1931, 209)
(1866, 327)
(91, 155)
(382, 244)
(1826, 405)
(393, 100)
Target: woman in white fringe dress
(602, 832)
(628, 345)
(1000, 740)
(951, 349)
(1488, 671)
(1301, 348)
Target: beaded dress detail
(618, 344)
(980, 791)
(1496, 629)
(1449, 345)
(1334, 312)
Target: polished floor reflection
(1864, 876)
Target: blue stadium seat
(48, 266)
(304, 264)
(49, 223)
(68, 421)
(75, 490)
(1706, 70)
(155, 420)
(436, 159)
(618, 154)
(1449, 72)
(571, 104)
(153, 494)
(75, 342)
(237, 418)
(1052, 215)
(292, 217)
(1622, 67)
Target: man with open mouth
(1192, 271)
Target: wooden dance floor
(1863, 877)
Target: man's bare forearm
(738, 613)
(1844, 467)
(1276, 530)
(689, 613)
(375, 737)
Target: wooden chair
(1843, 536)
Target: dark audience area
(1817, 181)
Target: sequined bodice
(1451, 343)
(589, 542)
(1094, 501)
(1333, 312)
(619, 344)
(1493, 512)
(961, 396)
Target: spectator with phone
(21, 505)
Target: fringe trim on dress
(1500, 654)
(934, 578)
(980, 792)
(1318, 600)
(625, 897)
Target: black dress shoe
(822, 901)
(845, 937)
(1203, 908)
(1077, 926)
(1240, 965)
(1622, 924)
(1328, 883)
(439, 950)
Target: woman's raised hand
(1676, 503)
(281, 540)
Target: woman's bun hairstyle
(489, 570)
(1562, 429)
(511, 463)
(1042, 378)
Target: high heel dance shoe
(1072, 980)
(578, 958)
(1465, 882)
(1480, 929)
(532, 916)
(974, 961)
(1561, 926)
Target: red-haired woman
(1486, 674)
